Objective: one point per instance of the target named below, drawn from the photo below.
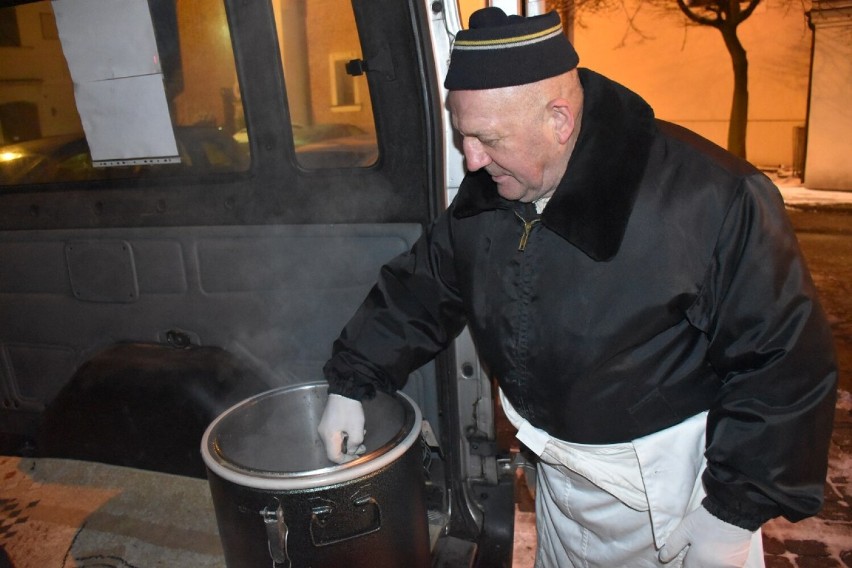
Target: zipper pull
(528, 225)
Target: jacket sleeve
(411, 314)
(769, 430)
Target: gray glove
(342, 428)
(712, 542)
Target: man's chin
(510, 191)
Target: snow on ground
(795, 193)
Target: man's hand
(342, 428)
(712, 542)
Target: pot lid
(272, 438)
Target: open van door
(144, 290)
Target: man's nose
(475, 155)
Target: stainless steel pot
(279, 501)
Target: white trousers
(614, 505)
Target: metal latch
(482, 446)
(276, 534)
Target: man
(638, 294)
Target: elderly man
(637, 293)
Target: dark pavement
(825, 541)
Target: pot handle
(276, 534)
(329, 526)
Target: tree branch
(715, 22)
(631, 23)
(744, 14)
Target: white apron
(614, 505)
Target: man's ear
(562, 119)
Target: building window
(344, 89)
(10, 35)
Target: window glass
(332, 116)
(41, 134)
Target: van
(194, 199)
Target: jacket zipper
(522, 323)
(528, 225)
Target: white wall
(829, 160)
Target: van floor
(57, 513)
(60, 513)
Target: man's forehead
(480, 121)
(486, 107)
(469, 112)
(466, 101)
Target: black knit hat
(501, 51)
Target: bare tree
(724, 15)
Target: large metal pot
(280, 502)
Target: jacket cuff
(354, 387)
(736, 518)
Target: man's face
(510, 135)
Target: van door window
(41, 134)
(330, 109)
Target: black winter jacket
(663, 279)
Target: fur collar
(592, 204)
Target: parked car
(303, 134)
(337, 145)
(66, 158)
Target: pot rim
(339, 473)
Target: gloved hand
(342, 428)
(712, 542)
